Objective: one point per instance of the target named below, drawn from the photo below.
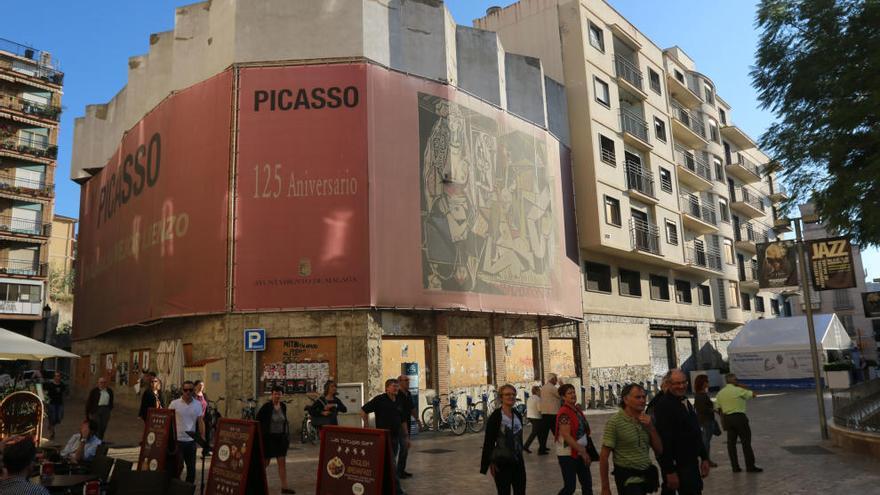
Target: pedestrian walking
(550, 401)
(503, 446)
(326, 408)
(188, 418)
(408, 412)
(533, 412)
(706, 414)
(387, 410)
(99, 405)
(55, 391)
(276, 434)
(151, 398)
(684, 462)
(629, 434)
(199, 395)
(732, 401)
(574, 449)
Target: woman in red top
(572, 438)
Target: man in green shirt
(731, 400)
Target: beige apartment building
(672, 197)
(30, 107)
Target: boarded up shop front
(298, 365)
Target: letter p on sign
(255, 339)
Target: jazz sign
(831, 263)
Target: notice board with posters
(237, 465)
(777, 264)
(831, 263)
(355, 460)
(871, 303)
(299, 365)
(159, 438)
(21, 413)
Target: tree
(818, 70)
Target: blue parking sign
(255, 339)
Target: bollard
(601, 397)
(592, 397)
(611, 401)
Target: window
(847, 321)
(759, 304)
(659, 288)
(723, 115)
(713, 131)
(679, 76)
(719, 169)
(630, 283)
(746, 301)
(710, 94)
(665, 180)
(724, 210)
(705, 295)
(671, 233)
(597, 38)
(654, 81)
(683, 292)
(733, 293)
(660, 129)
(612, 211)
(602, 94)
(606, 147)
(774, 307)
(597, 277)
(729, 258)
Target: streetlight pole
(808, 310)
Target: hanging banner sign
(831, 263)
(871, 303)
(777, 264)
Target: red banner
(302, 236)
(153, 222)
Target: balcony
(640, 182)
(748, 275)
(681, 92)
(743, 169)
(28, 147)
(629, 76)
(39, 71)
(25, 227)
(30, 308)
(777, 192)
(21, 186)
(693, 171)
(23, 268)
(28, 108)
(701, 260)
(697, 215)
(635, 130)
(749, 235)
(645, 237)
(747, 202)
(735, 135)
(687, 127)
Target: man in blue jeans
(188, 417)
(386, 407)
(407, 410)
(55, 390)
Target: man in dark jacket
(99, 405)
(684, 461)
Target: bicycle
(455, 420)
(475, 415)
(212, 419)
(308, 432)
(248, 408)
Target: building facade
(672, 197)
(30, 106)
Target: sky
(92, 40)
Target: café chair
(102, 449)
(178, 487)
(120, 467)
(139, 483)
(102, 466)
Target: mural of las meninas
(487, 203)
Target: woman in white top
(533, 413)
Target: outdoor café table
(59, 483)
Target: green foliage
(818, 70)
(60, 284)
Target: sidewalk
(785, 439)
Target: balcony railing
(40, 110)
(692, 205)
(17, 225)
(693, 163)
(748, 272)
(745, 163)
(691, 120)
(21, 307)
(12, 184)
(29, 146)
(644, 236)
(28, 268)
(749, 232)
(628, 71)
(639, 179)
(634, 125)
(702, 257)
(750, 197)
(41, 70)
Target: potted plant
(838, 374)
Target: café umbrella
(16, 346)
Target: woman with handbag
(325, 409)
(503, 445)
(276, 434)
(705, 413)
(629, 434)
(574, 448)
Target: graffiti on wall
(487, 203)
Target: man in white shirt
(188, 417)
(82, 446)
(550, 403)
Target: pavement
(785, 432)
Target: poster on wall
(831, 263)
(298, 365)
(871, 303)
(772, 365)
(777, 264)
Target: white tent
(16, 346)
(776, 352)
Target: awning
(16, 346)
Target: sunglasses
(187, 390)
